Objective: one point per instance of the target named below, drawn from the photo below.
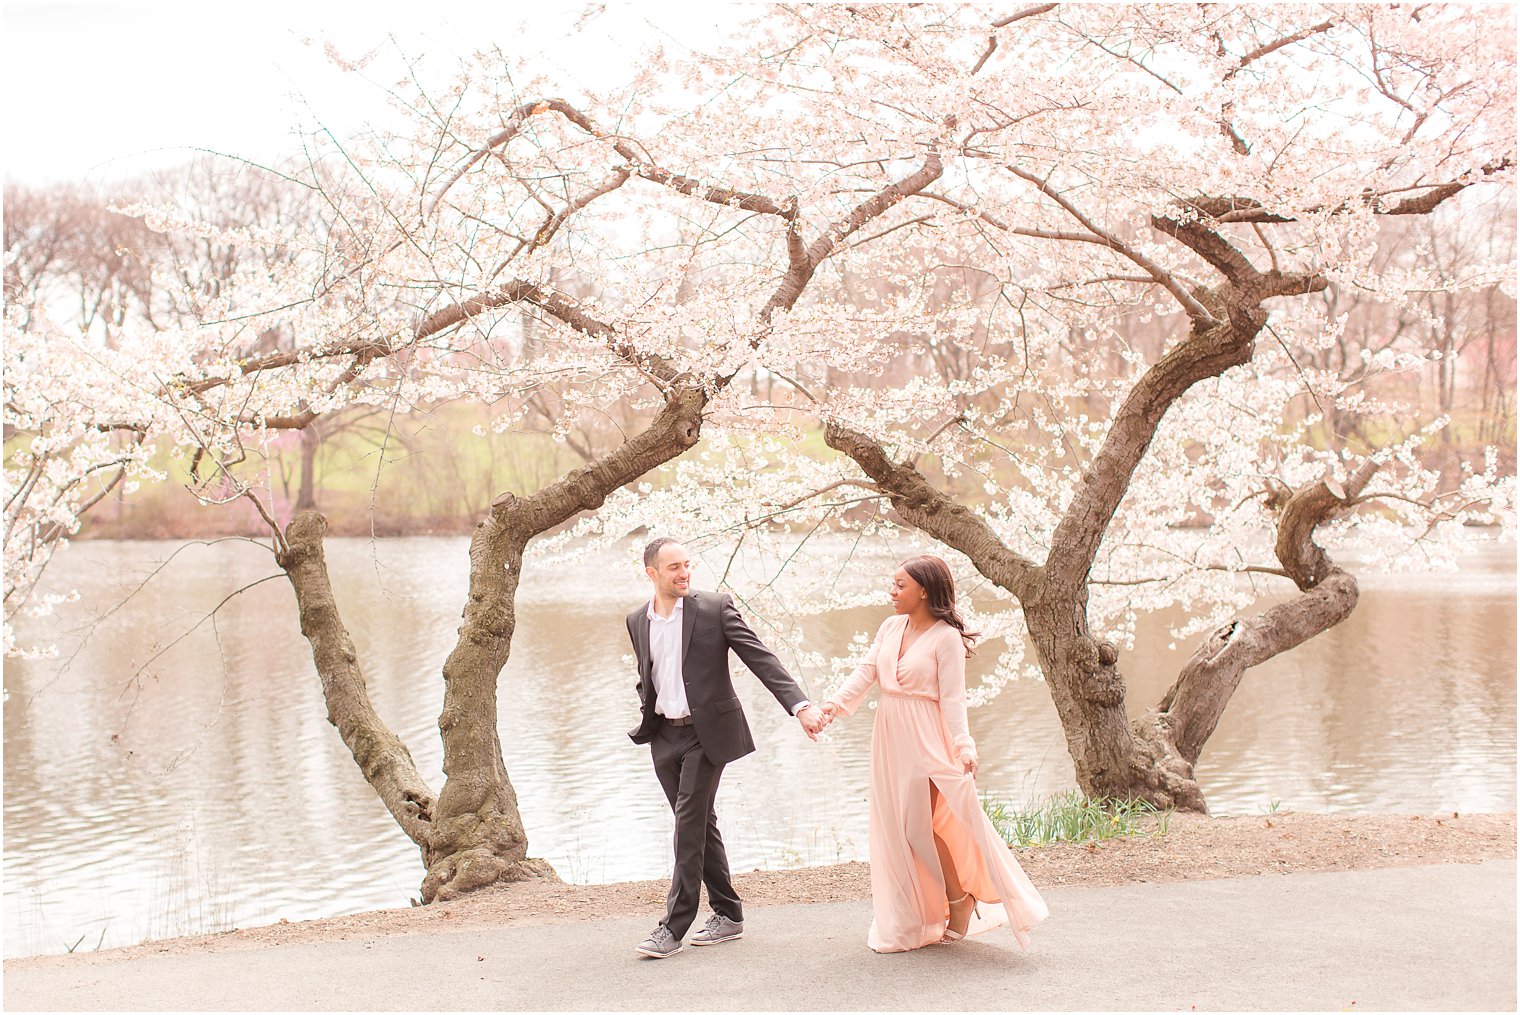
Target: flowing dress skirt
(910, 749)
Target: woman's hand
(969, 760)
(830, 712)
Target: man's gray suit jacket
(710, 626)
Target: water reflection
(162, 782)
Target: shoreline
(1195, 847)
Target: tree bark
(472, 835)
(1151, 758)
(1177, 728)
(382, 757)
(478, 836)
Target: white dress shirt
(665, 659)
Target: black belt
(685, 720)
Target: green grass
(1071, 817)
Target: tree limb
(1195, 310)
(1194, 703)
(380, 754)
(931, 511)
(1019, 15)
(639, 163)
(1239, 208)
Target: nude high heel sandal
(961, 910)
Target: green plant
(1071, 817)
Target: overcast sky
(100, 90)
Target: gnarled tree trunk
(471, 834)
(382, 757)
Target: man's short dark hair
(652, 551)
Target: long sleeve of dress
(950, 654)
(853, 691)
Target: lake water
(159, 782)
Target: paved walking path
(1440, 937)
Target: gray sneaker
(662, 944)
(718, 930)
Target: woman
(934, 854)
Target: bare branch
(1200, 315)
(1272, 47)
(931, 511)
(639, 162)
(1194, 703)
(804, 260)
(1019, 15)
(1221, 254)
(1236, 208)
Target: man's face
(671, 572)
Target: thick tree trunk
(472, 834)
(1153, 757)
(1088, 689)
(478, 837)
(382, 757)
(1182, 722)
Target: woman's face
(905, 592)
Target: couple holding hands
(939, 870)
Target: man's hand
(813, 721)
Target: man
(694, 726)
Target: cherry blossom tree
(1212, 177)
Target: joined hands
(816, 718)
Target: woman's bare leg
(960, 903)
(953, 889)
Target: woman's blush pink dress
(920, 730)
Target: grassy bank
(1071, 817)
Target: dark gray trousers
(690, 782)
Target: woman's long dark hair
(934, 576)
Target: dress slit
(970, 869)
